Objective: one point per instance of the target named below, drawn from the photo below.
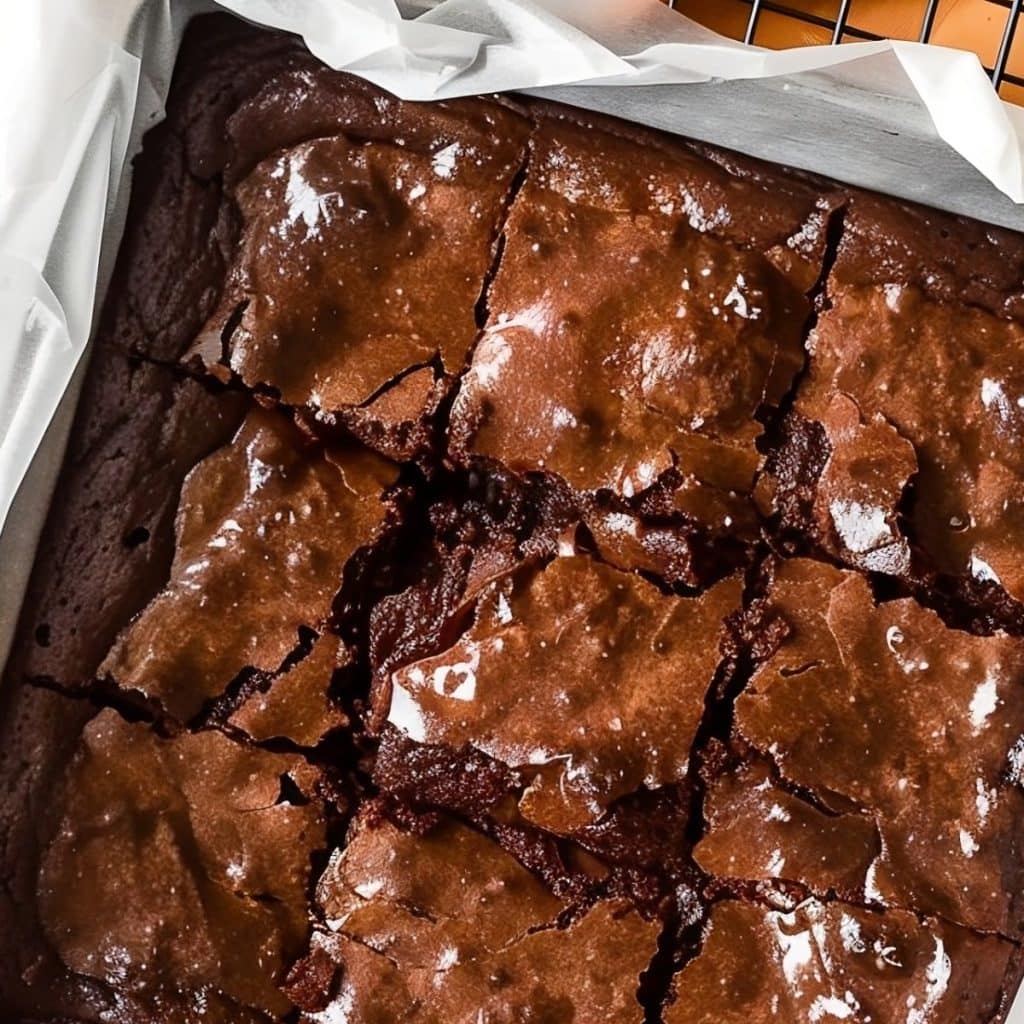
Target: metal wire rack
(842, 27)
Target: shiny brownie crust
(512, 565)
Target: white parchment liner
(81, 81)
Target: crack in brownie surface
(471, 679)
(297, 703)
(929, 348)
(265, 528)
(448, 927)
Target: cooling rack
(842, 26)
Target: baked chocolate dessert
(910, 466)
(511, 565)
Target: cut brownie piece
(265, 530)
(588, 681)
(923, 331)
(833, 961)
(108, 541)
(366, 240)
(881, 710)
(178, 870)
(447, 928)
(640, 319)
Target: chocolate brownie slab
(416, 634)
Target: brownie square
(647, 308)
(366, 231)
(266, 528)
(448, 927)
(887, 718)
(585, 681)
(915, 388)
(176, 866)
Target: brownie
(885, 715)
(916, 468)
(840, 962)
(638, 323)
(177, 865)
(448, 927)
(579, 677)
(512, 564)
(265, 530)
(374, 274)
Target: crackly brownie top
(297, 703)
(585, 678)
(930, 347)
(757, 829)
(646, 306)
(363, 250)
(834, 961)
(177, 866)
(265, 528)
(882, 711)
(447, 928)
(475, 676)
